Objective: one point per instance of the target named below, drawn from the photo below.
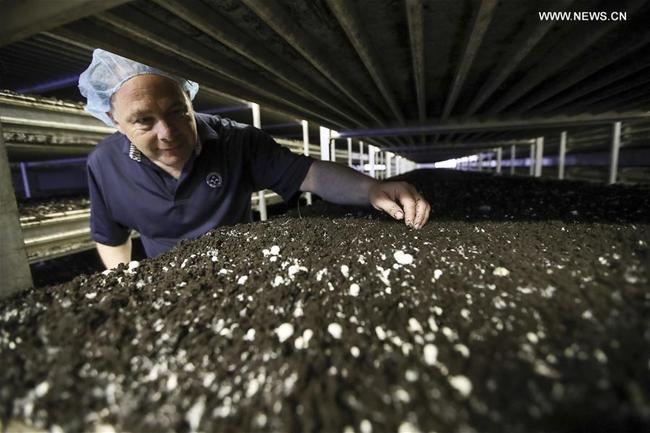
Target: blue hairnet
(108, 72)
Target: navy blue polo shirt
(232, 160)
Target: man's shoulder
(107, 149)
(226, 136)
(218, 123)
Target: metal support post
(376, 163)
(361, 156)
(389, 161)
(539, 156)
(23, 174)
(616, 145)
(480, 161)
(305, 150)
(513, 157)
(531, 160)
(371, 162)
(257, 120)
(349, 152)
(261, 202)
(324, 143)
(332, 148)
(499, 156)
(562, 156)
(14, 268)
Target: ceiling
(429, 80)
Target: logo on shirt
(213, 180)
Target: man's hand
(388, 196)
(342, 185)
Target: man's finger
(408, 203)
(420, 211)
(425, 215)
(426, 219)
(390, 207)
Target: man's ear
(117, 124)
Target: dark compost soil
(523, 305)
(62, 269)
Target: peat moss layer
(512, 310)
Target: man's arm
(114, 255)
(342, 185)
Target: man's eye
(143, 120)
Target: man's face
(157, 117)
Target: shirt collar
(203, 133)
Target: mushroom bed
(523, 305)
(41, 208)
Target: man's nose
(164, 130)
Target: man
(174, 174)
